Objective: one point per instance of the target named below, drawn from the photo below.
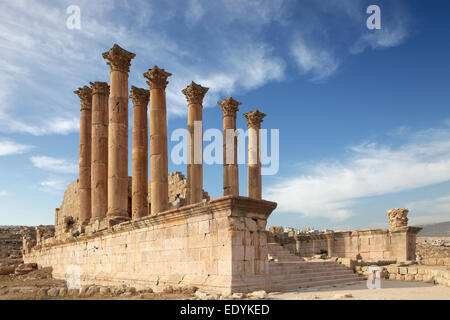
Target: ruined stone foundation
(220, 246)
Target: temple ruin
(114, 229)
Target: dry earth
(390, 290)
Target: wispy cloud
(431, 210)
(319, 63)
(3, 193)
(330, 189)
(384, 38)
(9, 147)
(54, 164)
(52, 185)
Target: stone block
(410, 277)
(403, 270)
(412, 270)
(203, 227)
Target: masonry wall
(220, 245)
(371, 244)
(70, 206)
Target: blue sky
(363, 114)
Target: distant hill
(441, 229)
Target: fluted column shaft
(119, 60)
(254, 181)
(84, 168)
(157, 81)
(99, 163)
(230, 166)
(139, 181)
(194, 94)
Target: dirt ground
(26, 289)
(20, 289)
(390, 290)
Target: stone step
(302, 264)
(306, 271)
(295, 280)
(310, 275)
(309, 284)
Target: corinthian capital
(157, 78)
(229, 106)
(100, 88)
(139, 96)
(85, 95)
(254, 118)
(195, 93)
(397, 218)
(118, 58)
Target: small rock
(53, 292)
(42, 292)
(168, 289)
(201, 295)
(127, 294)
(131, 289)
(27, 290)
(105, 291)
(342, 296)
(238, 295)
(25, 268)
(146, 290)
(189, 289)
(258, 294)
(92, 291)
(118, 290)
(62, 292)
(83, 290)
(4, 291)
(73, 292)
(6, 270)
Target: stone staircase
(290, 272)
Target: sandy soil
(390, 290)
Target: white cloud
(384, 38)
(9, 147)
(53, 185)
(194, 12)
(319, 63)
(3, 193)
(55, 125)
(54, 164)
(431, 210)
(329, 189)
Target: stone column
(119, 60)
(99, 162)
(230, 165)
(139, 176)
(157, 81)
(194, 94)
(254, 183)
(84, 171)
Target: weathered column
(119, 60)
(139, 176)
(157, 81)
(230, 165)
(254, 183)
(84, 169)
(194, 94)
(99, 163)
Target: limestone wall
(370, 245)
(220, 245)
(70, 203)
